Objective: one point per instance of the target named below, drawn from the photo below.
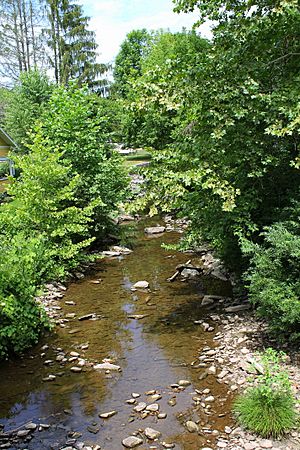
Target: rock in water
(192, 427)
(152, 434)
(107, 366)
(132, 442)
(141, 285)
(155, 230)
(108, 415)
(140, 407)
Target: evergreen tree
(74, 50)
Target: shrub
(274, 276)
(24, 263)
(267, 408)
(45, 203)
(75, 126)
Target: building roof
(6, 138)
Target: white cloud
(113, 19)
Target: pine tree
(74, 50)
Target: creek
(154, 352)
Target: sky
(113, 19)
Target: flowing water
(153, 353)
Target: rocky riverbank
(223, 333)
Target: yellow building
(6, 145)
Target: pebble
(76, 369)
(31, 426)
(23, 433)
(140, 407)
(172, 402)
(265, 443)
(141, 285)
(162, 416)
(212, 370)
(191, 426)
(152, 434)
(108, 414)
(250, 445)
(135, 395)
(184, 383)
(107, 366)
(154, 407)
(132, 441)
(93, 429)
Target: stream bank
(163, 355)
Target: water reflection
(153, 352)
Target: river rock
(23, 433)
(111, 254)
(154, 407)
(152, 434)
(212, 370)
(93, 429)
(49, 378)
(108, 414)
(132, 441)
(237, 308)
(184, 383)
(107, 366)
(126, 218)
(192, 427)
(31, 426)
(162, 416)
(141, 285)
(140, 407)
(155, 230)
(87, 317)
(76, 369)
(137, 316)
(122, 250)
(265, 443)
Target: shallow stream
(153, 352)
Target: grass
(270, 415)
(140, 155)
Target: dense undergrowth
(63, 200)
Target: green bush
(268, 408)
(4, 169)
(274, 276)
(69, 185)
(74, 124)
(24, 263)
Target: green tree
(26, 103)
(74, 49)
(73, 123)
(158, 95)
(128, 63)
(232, 166)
